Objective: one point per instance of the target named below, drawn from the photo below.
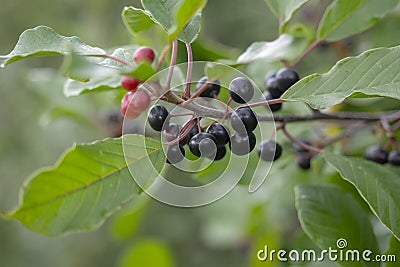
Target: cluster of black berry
(277, 83)
(211, 142)
(380, 155)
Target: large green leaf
(88, 183)
(375, 72)
(379, 186)
(327, 215)
(180, 18)
(286, 47)
(285, 9)
(344, 18)
(392, 253)
(183, 15)
(137, 20)
(44, 41)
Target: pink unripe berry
(144, 53)
(134, 103)
(129, 83)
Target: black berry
(220, 154)
(242, 143)
(220, 132)
(241, 90)
(267, 96)
(300, 149)
(394, 158)
(212, 88)
(268, 150)
(303, 161)
(272, 86)
(203, 144)
(376, 154)
(243, 120)
(286, 78)
(171, 132)
(175, 154)
(192, 132)
(158, 115)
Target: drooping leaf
(88, 184)
(44, 41)
(374, 72)
(137, 20)
(103, 76)
(183, 14)
(178, 17)
(286, 47)
(344, 18)
(284, 10)
(328, 215)
(377, 184)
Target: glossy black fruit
(203, 144)
(394, 158)
(272, 86)
(242, 143)
(158, 115)
(193, 132)
(268, 150)
(220, 132)
(243, 120)
(376, 154)
(303, 161)
(267, 96)
(175, 154)
(212, 89)
(221, 152)
(171, 132)
(241, 90)
(286, 78)
(300, 149)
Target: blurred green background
(37, 123)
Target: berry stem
(172, 64)
(298, 142)
(189, 70)
(201, 90)
(396, 126)
(305, 53)
(162, 56)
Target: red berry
(129, 83)
(144, 53)
(140, 100)
(126, 108)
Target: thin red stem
(172, 64)
(113, 58)
(162, 56)
(189, 70)
(308, 51)
(298, 142)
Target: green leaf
(191, 30)
(88, 183)
(327, 214)
(180, 18)
(374, 72)
(147, 252)
(284, 10)
(394, 250)
(142, 71)
(103, 76)
(183, 14)
(44, 41)
(344, 18)
(136, 20)
(286, 47)
(377, 184)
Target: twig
(189, 70)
